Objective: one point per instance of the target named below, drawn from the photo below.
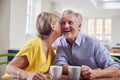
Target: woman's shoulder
(32, 41)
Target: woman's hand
(36, 76)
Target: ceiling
(90, 7)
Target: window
(100, 28)
(30, 22)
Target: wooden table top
(64, 77)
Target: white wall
(4, 30)
(4, 24)
(45, 5)
(116, 29)
(56, 8)
(17, 23)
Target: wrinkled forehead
(68, 17)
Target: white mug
(74, 72)
(55, 72)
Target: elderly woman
(36, 55)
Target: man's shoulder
(61, 41)
(62, 38)
(87, 37)
(90, 39)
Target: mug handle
(51, 74)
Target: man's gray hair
(78, 15)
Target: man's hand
(87, 72)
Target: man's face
(70, 26)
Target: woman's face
(58, 28)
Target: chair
(115, 59)
(6, 55)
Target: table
(114, 50)
(115, 54)
(64, 77)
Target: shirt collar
(78, 39)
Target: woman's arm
(16, 66)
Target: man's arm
(108, 72)
(111, 71)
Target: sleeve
(27, 50)
(60, 57)
(103, 58)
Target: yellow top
(35, 55)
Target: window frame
(103, 29)
(30, 21)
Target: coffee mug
(74, 72)
(55, 72)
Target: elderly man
(78, 49)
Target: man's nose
(66, 25)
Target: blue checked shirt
(85, 50)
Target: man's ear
(79, 27)
(52, 26)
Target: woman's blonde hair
(44, 21)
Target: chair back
(6, 55)
(115, 59)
